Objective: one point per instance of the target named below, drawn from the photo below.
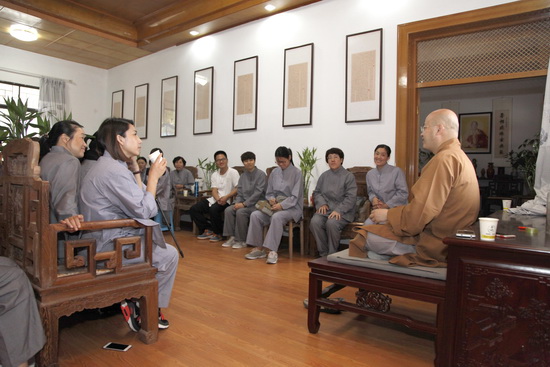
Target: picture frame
(475, 132)
(117, 104)
(141, 107)
(364, 76)
(203, 101)
(298, 85)
(245, 94)
(168, 107)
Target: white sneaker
(239, 244)
(272, 258)
(255, 254)
(229, 242)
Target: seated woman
(112, 189)
(386, 185)
(334, 197)
(285, 194)
(60, 151)
(163, 195)
(181, 177)
(142, 164)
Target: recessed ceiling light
(194, 33)
(270, 7)
(23, 32)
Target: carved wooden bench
(91, 281)
(375, 283)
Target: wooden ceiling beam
(78, 17)
(188, 14)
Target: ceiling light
(270, 7)
(23, 32)
(194, 33)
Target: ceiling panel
(108, 33)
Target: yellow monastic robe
(444, 199)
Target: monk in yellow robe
(444, 199)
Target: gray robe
(62, 170)
(110, 191)
(21, 332)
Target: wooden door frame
(407, 109)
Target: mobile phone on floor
(117, 346)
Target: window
(25, 92)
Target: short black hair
(334, 151)
(179, 158)
(220, 152)
(387, 148)
(247, 155)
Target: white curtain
(538, 205)
(52, 99)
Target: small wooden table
(497, 305)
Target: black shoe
(131, 315)
(163, 323)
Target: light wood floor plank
(228, 311)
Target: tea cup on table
(488, 228)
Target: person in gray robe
(334, 197)
(250, 189)
(60, 151)
(113, 190)
(181, 178)
(21, 332)
(285, 194)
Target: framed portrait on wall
(364, 76)
(475, 132)
(298, 85)
(168, 106)
(117, 104)
(202, 108)
(245, 94)
(141, 101)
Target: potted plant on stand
(307, 163)
(15, 123)
(207, 169)
(524, 160)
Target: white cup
(185, 192)
(506, 204)
(488, 228)
(153, 156)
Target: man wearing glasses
(224, 188)
(444, 199)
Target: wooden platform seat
(91, 281)
(377, 281)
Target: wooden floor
(228, 311)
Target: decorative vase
(490, 171)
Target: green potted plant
(207, 169)
(524, 160)
(307, 163)
(15, 123)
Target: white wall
(87, 93)
(326, 24)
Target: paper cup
(488, 228)
(185, 192)
(153, 156)
(506, 204)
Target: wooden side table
(183, 204)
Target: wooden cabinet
(497, 302)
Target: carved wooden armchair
(91, 281)
(364, 205)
